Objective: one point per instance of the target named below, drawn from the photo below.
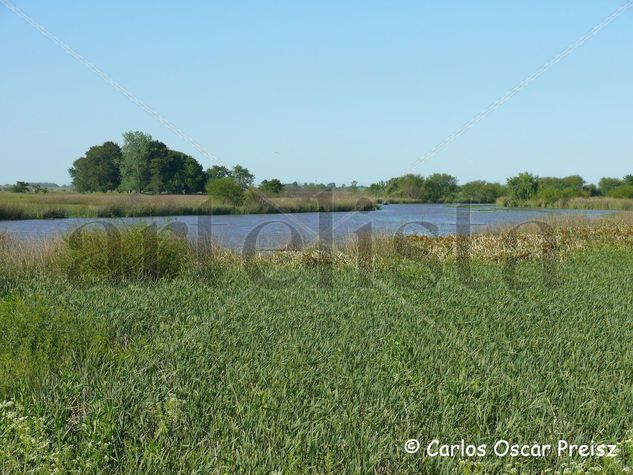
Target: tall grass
(604, 203)
(138, 253)
(616, 204)
(171, 373)
(14, 206)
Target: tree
(20, 187)
(480, 192)
(243, 177)
(623, 191)
(439, 187)
(409, 186)
(523, 187)
(226, 190)
(98, 170)
(135, 161)
(271, 186)
(379, 188)
(607, 184)
(161, 167)
(189, 177)
(218, 171)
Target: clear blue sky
(323, 91)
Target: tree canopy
(98, 169)
(142, 165)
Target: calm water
(232, 230)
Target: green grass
(201, 370)
(596, 202)
(61, 204)
(616, 204)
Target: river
(231, 230)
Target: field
(64, 204)
(199, 364)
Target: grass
(616, 204)
(605, 203)
(196, 367)
(59, 204)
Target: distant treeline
(525, 189)
(145, 165)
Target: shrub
(622, 191)
(225, 190)
(273, 186)
(20, 187)
(136, 253)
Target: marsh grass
(16, 206)
(616, 204)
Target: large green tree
(98, 170)
(523, 187)
(243, 176)
(135, 162)
(218, 171)
(439, 187)
(189, 176)
(161, 167)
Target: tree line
(145, 165)
(142, 165)
(520, 190)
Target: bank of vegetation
(298, 361)
(144, 177)
(113, 205)
(522, 190)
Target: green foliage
(622, 191)
(523, 187)
(134, 254)
(161, 167)
(143, 165)
(439, 187)
(225, 190)
(98, 170)
(273, 186)
(228, 186)
(189, 177)
(20, 187)
(218, 171)
(240, 378)
(436, 188)
(377, 189)
(243, 177)
(480, 192)
(607, 184)
(408, 186)
(135, 161)
(37, 339)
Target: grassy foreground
(192, 366)
(60, 204)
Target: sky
(327, 91)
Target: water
(231, 230)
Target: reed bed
(172, 256)
(616, 204)
(15, 206)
